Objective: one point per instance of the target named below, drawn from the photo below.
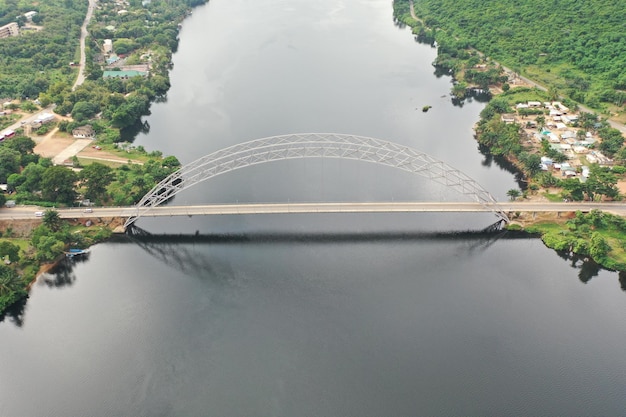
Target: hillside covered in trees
(575, 46)
(38, 64)
(29, 63)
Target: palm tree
(9, 280)
(52, 219)
(513, 193)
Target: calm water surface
(328, 315)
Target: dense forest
(31, 62)
(575, 46)
(36, 64)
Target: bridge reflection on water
(178, 252)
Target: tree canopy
(575, 46)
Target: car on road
(88, 210)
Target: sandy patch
(91, 153)
(51, 147)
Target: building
(44, 118)
(29, 15)
(11, 29)
(112, 59)
(123, 74)
(107, 46)
(508, 118)
(84, 132)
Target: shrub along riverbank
(27, 248)
(597, 235)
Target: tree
(500, 105)
(459, 90)
(31, 178)
(96, 177)
(57, 184)
(52, 220)
(599, 247)
(83, 110)
(29, 106)
(9, 281)
(49, 248)
(601, 182)
(9, 162)
(513, 194)
(541, 121)
(573, 189)
(9, 249)
(22, 144)
(532, 163)
(170, 162)
(612, 140)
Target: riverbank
(85, 232)
(521, 149)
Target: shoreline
(534, 225)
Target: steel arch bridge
(315, 145)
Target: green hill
(575, 46)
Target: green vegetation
(47, 243)
(36, 64)
(601, 236)
(575, 47)
(34, 180)
(31, 62)
(12, 286)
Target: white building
(44, 118)
(10, 29)
(107, 46)
(29, 15)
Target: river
(316, 315)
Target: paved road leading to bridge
(22, 213)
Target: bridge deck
(19, 213)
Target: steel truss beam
(315, 145)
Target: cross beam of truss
(315, 145)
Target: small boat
(74, 252)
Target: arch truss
(315, 145)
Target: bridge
(27, 212)
(317, 145)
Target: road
(28, 212)
(29, 119)
(83, 35)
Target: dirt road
(83, 35)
